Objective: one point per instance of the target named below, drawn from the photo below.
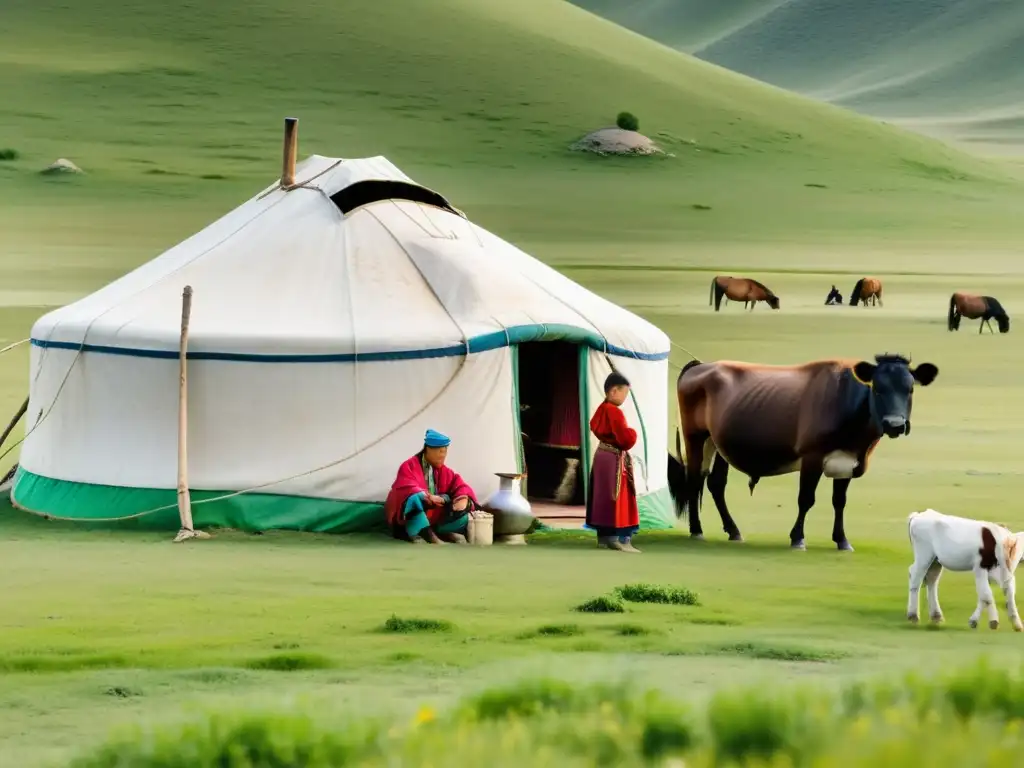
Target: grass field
(174, 111)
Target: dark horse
(822, 417)
(741, 289)
(972, 307)
(866, 288)
(834, 297)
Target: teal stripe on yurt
(108, 506)
(115, 506)
(517, 334)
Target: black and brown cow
(822, 417)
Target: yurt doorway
(551, 426)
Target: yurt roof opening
(335, 317)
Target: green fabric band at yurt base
(248, 511)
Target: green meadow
(174, 111)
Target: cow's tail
(855, 294)
(711, 294)
(951, 319)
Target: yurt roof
(355, 262)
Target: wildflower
(425, 715)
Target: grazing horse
(866, 288)
(741, 289)
(972, 307)
(834, 297)
(822, 417)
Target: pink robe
(411, 480)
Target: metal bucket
(481, 529)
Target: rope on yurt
(305, 183)
(261, 486)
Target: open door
(551, 426)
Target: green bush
(970, 718)
(653, 593)
(9, 154)
(602, 605)
(627, 121)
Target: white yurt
(333, 321)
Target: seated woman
(428, 501)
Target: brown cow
(972, 307)
(741, 289)
(822, 417)
(867, 288)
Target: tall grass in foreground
(968, 719)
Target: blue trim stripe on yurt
(517, 334)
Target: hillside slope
(952, 68)
(180, 101)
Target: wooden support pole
(14, 422)
(184, 499)
(291, 148)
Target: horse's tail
(718, 291)
(855, 294)
(677, 478)
(951, 323)
(711, 294)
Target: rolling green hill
(951, 68)
(177, 107)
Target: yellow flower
(425, 715)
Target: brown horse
(822, 417)
(973, 307)
(866, 288)
(741, 289)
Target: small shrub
(9, 154)
(751, 724)
(653, 593)
(290, 662)
(666, 734)
(255, 740)
(408, 626)
(602, 605)
(527, 699)
(627, 121)
(559, 630)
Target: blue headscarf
(434, 439)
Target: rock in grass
(61, 166)
(616, 141)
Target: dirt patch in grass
(773, 652)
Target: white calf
(960, 544)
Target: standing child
(611, 506)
